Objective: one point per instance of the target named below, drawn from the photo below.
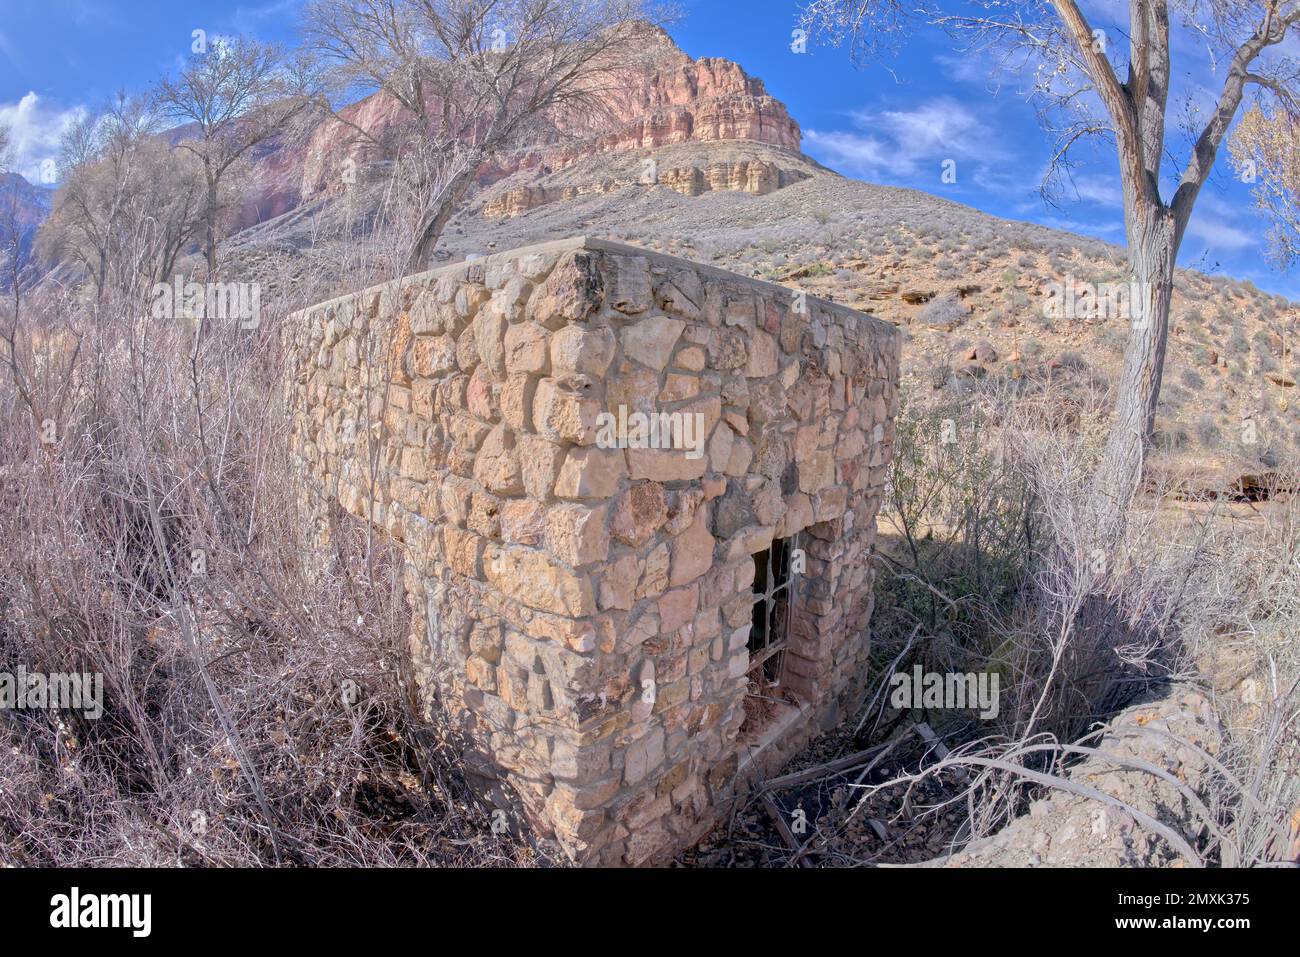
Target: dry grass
(987, 568)
(252, 716)
(255, 716)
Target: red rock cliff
(675, 100)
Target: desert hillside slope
(706, 165)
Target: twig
(826, 770)
(783, 828)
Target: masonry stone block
(581, 579)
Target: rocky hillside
(706, 165)
(689, 168)
(967, 288)
(30, 204)
(675, 100)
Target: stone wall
(581, 603)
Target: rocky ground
(848, 823)
(969, 291)
(967, 288)
(1075, 829)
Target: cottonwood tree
(235, 94)
(1087, 87)
(122, 190)
(465, 81)
(1265, 149)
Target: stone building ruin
(637, 497)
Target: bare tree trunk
(210, 226)
(430, 230)
(1153, 248)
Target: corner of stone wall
(581, 611)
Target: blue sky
(893, 122)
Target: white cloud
(1219, 236)
(1006, 69)
(1212, 222)
(851, 152)
(35, 127)
(935, 127)
(248, 19)
(899, 143)
(1109, 231)
(1095, 190)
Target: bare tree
(1266, 151)
(1089, 88)
(469, 80)
(237, 94)
(122, 188)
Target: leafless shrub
(947, 311)
(993, 570)
(123, 189)
(252, 715)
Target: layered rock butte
(675, 100)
